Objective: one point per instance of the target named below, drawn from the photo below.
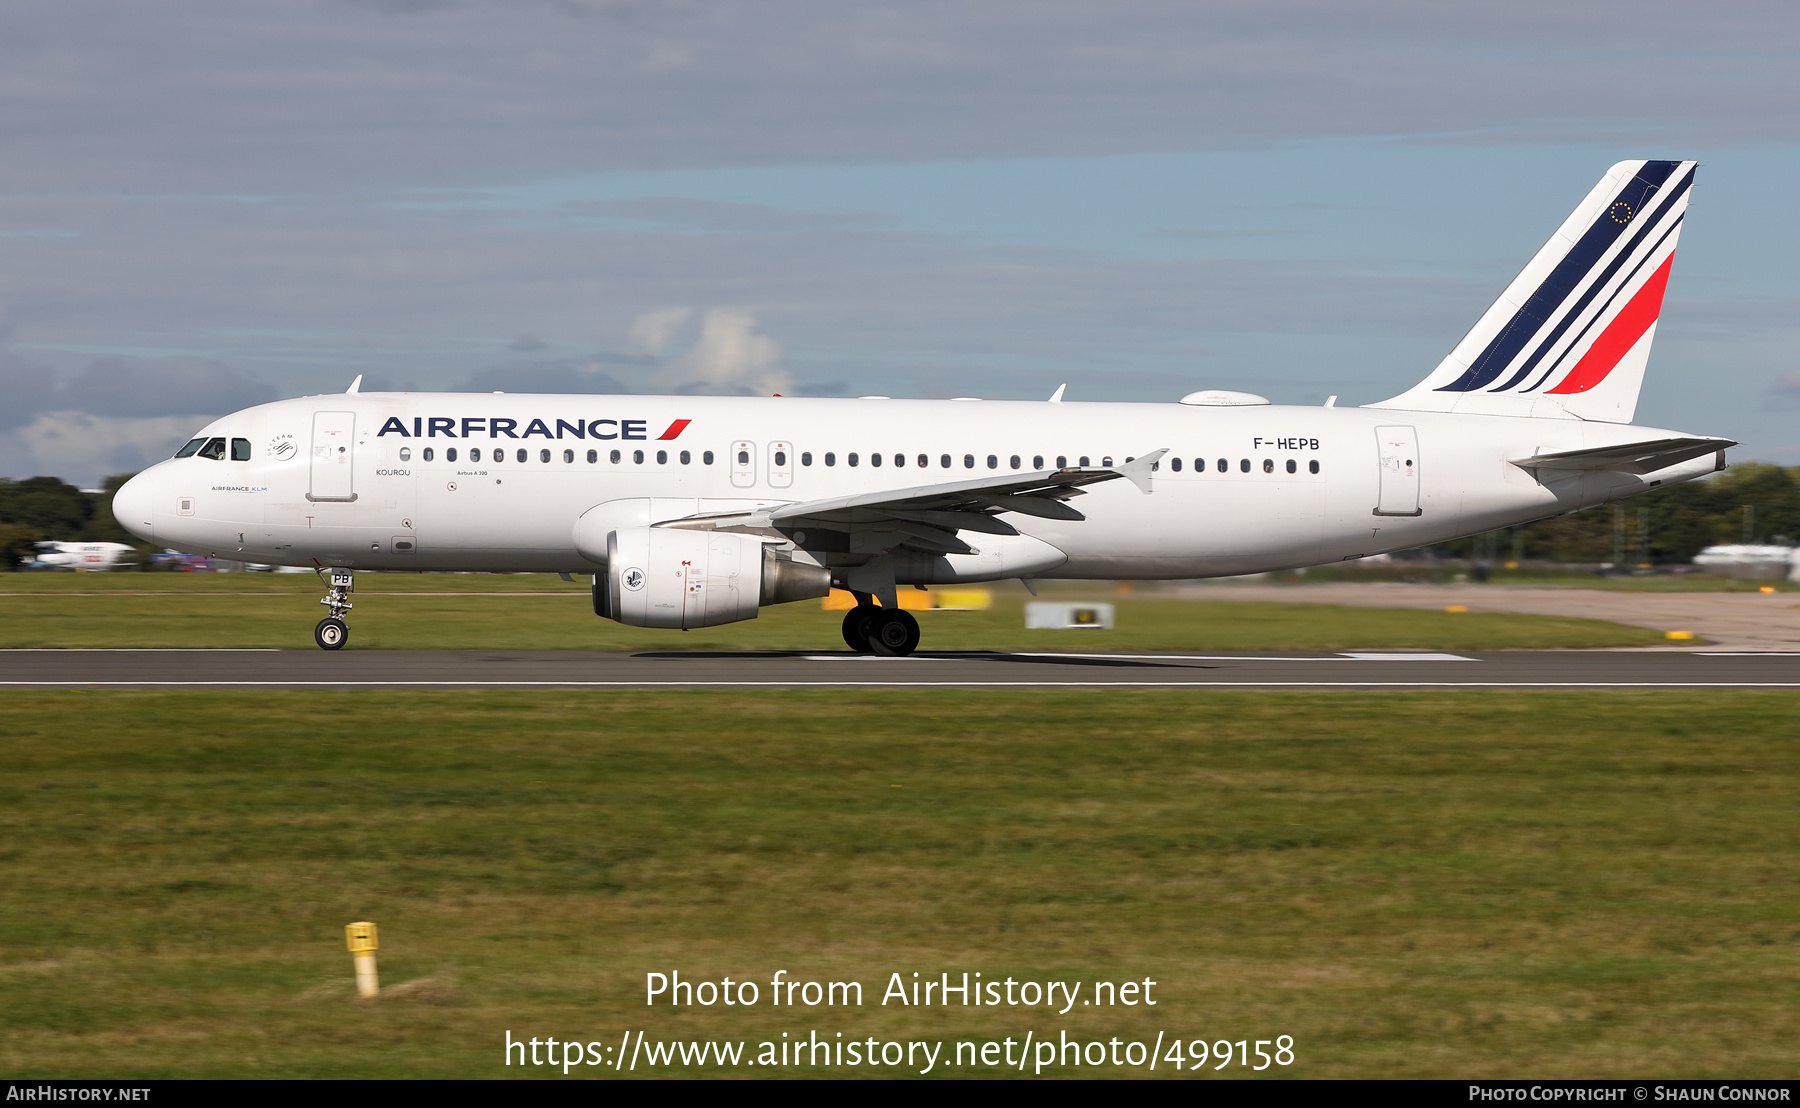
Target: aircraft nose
(133, 505)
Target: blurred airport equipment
(917, 600)
(360, 938)
(183, 563)
(1046, 615)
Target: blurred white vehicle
(79, 555)
(1756, 561)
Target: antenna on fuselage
(1056, 397)
(355, 385)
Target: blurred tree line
(1750, 502)
(41, 509)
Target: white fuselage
(347, 480)
(368, 481)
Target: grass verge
(1409, 885)
(402, 612)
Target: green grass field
(539, 611)
(1496, 884)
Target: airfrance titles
(494, 427)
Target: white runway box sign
(1045, 616)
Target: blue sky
(219, 203)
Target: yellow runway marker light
(360, 938)
(1457, 608)
(1766, 588)
(1679, 636)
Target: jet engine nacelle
(673, 577)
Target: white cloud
(652, 332)
(84, 449)
(729, 357)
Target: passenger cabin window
(805, 458)
(899, 461)
(1224, 465)
(1084, 461)
(993, 462)
(944, 461)
(968, 461)
(850, 459)
(593, 456)
(1268, 465)
(429, 453)
(474, 455)
(1291, 467)
(1244, 465)
(1106, 461)
(214, 449)
(874, 459)
(830, 459)
(240, 450)
(523, 455)
(1312, 467)
(406, 453)
(615, 457)
(662, 457)
(686, 458)
(637, 457)
(705, 458)
(569, 456)
(924, 461)
(188, 450)
(1013, 461)
(1175, 465)
(1037, 461)
(1062, 461)
(780, 458)
(544, 455)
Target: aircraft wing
(927, 517)
(1632, 457)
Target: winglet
(1137, 471)
(1056, 397)
(355, 386)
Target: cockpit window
(190, 448)
(214, 449)
(240, 450)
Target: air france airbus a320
(696, 511)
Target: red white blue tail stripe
(1571, 333)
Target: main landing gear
(890, 633)
(332, 632)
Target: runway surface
(443, 669)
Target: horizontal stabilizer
(1631, 457)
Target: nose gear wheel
(331, 633)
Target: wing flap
(928, 517)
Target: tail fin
(1571, 335)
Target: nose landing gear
(332, 632)
(891, 634)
